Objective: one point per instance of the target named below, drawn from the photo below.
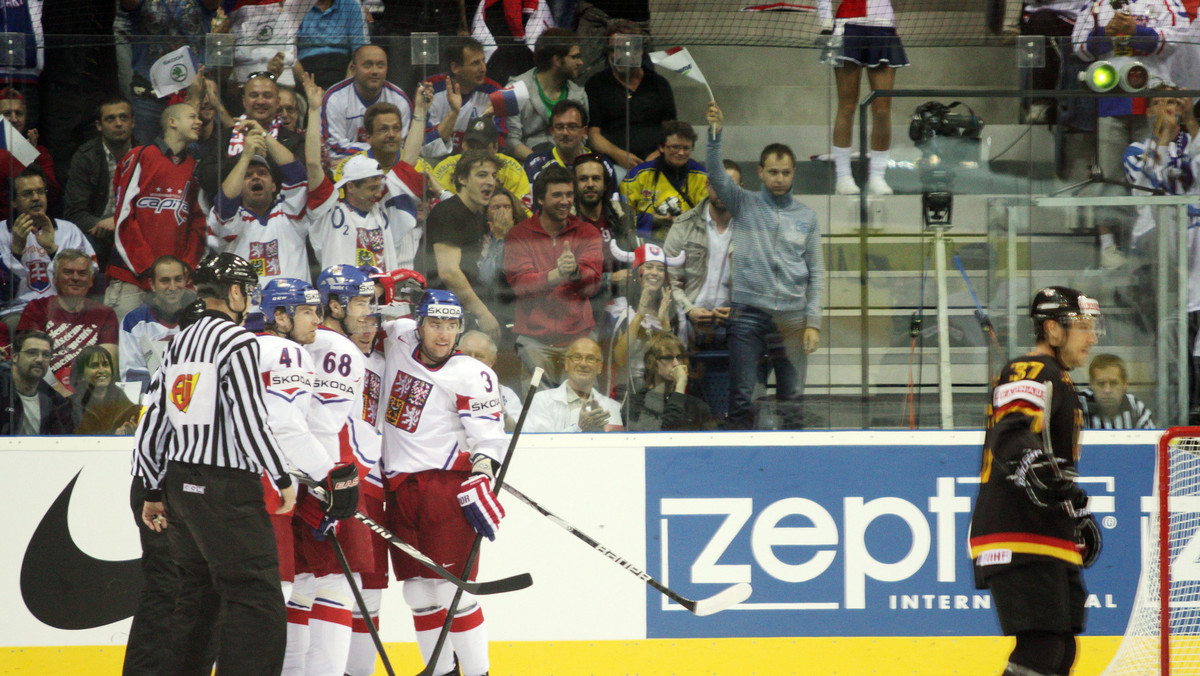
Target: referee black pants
(222, 541)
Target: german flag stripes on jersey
(1007, 527)
(207, 406)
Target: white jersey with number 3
(436, 418)
(339, 367)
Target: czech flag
(508, 101)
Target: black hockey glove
(341, 489)
(1088, 539)
(1048, 481)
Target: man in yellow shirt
(482, 135)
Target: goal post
(1163, 633)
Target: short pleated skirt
(871, 46)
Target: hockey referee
(203, 445)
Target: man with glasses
(30, 406)
(344, 104)
(671, 183)
(29, 240)
(576, 405)
(568, 130)
(551, 82)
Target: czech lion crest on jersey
(406, 402)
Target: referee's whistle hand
(154, 515)
(287, 499)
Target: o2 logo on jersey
(406, 401)
(182, 390)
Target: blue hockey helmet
(287, 293)
(439, 304)
(344, 282)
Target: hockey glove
(341, 487)
(479, 505)
(1047, 480)
(311, 511)
(1088, 540)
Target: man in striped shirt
(1106, 401)
(202, 445)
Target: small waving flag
(15, 142)
(680, 60)
(173, 72)
(508, 101)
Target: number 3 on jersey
(334, 363)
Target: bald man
(576, 405)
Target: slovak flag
(680, 60)
(508, 101)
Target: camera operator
(670, 184)
(1155, 33)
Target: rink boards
(854, 543)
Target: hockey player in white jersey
(443, 444)
(320, 610)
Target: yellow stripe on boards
(858, 656)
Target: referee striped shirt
(207, 406)
(1131, 415)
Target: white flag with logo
(680, 60)
(173, 72)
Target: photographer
(670, 184)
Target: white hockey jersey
(473, 104)
(342, 116)
(33, 272)
(275, 246)
(336, 412)
(288, 377)
(387, 236)
(143, 338)
(436, 418)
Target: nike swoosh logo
(66, 588)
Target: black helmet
(191, 313)
(1061, 303)
(226, 268)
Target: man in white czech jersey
(443, 443)
(320, 610)
(291, 310)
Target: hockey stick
(474, 553)
(478, 588)
(711, 605)
(980, 314)
(362, 603)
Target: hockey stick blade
(507, 584)
(709, 606)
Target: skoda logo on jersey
(182, 390)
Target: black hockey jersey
(1007, 527)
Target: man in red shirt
(553, 262)
(156, 212)
(72, 319)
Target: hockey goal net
(1163, 634)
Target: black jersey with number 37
(1007, 527)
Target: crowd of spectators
(576, 225)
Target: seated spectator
(549, 83)
(481, 135)
(647, 96)
(12, 107)
(663, 402)
(576, 405)
(146, 331)
(157, 208)
(1106, 401)
(504, 211)
(701, 285)
(260, 99)
(73, 320)
(669, 185)
(293, 110)
(553, 263)
(342, 108)
(260, 222)
(29, 406)
(159, 28)
(98, 405)
(90, 198)
(329, 34)
(455, 235)
(29, 242)
(568, 129)
(629, 330)
(369, 215)
(480, 345)
(459, 97)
